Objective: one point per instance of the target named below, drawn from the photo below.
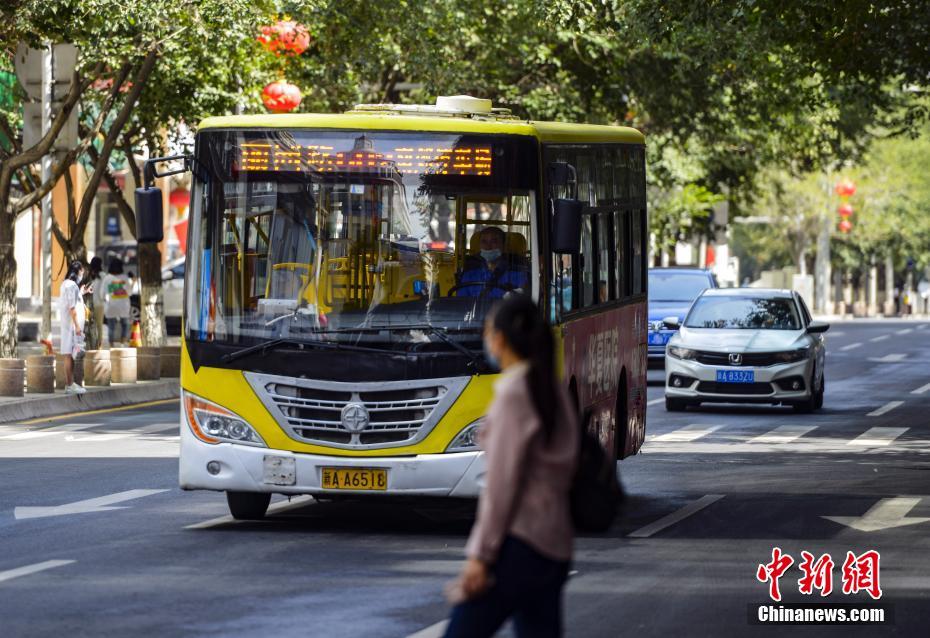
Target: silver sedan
(746, 345)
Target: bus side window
(622, 280)
(586, 259)
(638, 257)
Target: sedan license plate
(658, 339)
(736, 376)
(353, 478)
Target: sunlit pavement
(98, 540)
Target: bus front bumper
(246, 469)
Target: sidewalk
(35, 406)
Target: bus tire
(248, 506)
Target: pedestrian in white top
(72, 314)
(116, 290)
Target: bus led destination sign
(269, 156)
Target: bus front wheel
(248, 505)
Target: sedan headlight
(682, 353)
(792, 356)
(214, 424)
(467, 439)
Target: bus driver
(493, 272)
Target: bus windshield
(371, 238)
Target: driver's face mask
(491, 255)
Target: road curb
(114, 396)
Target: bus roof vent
(464, 103)
(446, 106)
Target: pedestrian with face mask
(521, 543)
(72, 314)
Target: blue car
(671, 292)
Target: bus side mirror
(566, 226)
(150, 227)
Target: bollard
(12, 377)
(40, 373)
(97, 369)
(123, 365)
(148, 364)
(171, 361)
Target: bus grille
(356, 415)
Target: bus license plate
(351, 478)
(735, 376)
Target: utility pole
(48, 85)
(822, 300)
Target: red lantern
(845, 226)
(845, 210)
(281, 96)
(285, 37)
(845, 188)
(179, 198)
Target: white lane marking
(60, 429)
(688, 433)
(879, 338)
(433, 631)
(921, 389)
(675, 517)
(922, 326)
(274, 508)
(23, 436)
(90, 505)
(93, 437)
(887, 513)
(10, 574)
(851, 346)
(875, 437)
(889, 358)
(905, 331)
(656, 401)
(783, 434)
(885, 409)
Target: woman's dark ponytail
(74, 270)
(525, 330)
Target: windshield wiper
(475, 358)
(273, 344)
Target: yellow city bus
(337, 279)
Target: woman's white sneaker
(74, 388)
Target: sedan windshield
(744, 313)
(681, 287)
(370, 238)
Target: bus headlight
(214, 424)
(467, 439)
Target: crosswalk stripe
(878, 436)
(851, 346)
(783, 434)
(921, 389)
(687, 433)
(885, 409)
(904, 332)
(879, 338)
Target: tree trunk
(150, 301)
(7, 288)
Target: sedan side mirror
(817, 327)
(672, 323)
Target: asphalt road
(711, 494)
